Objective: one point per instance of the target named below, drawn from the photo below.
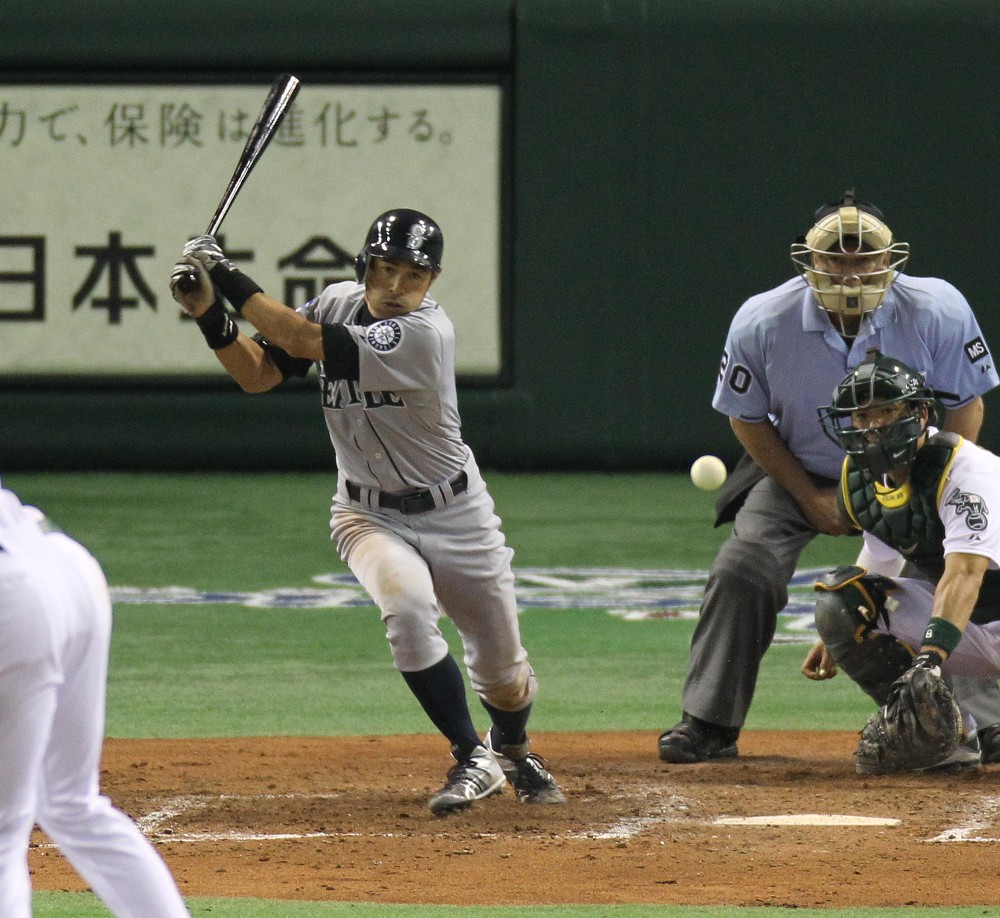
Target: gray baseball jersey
(398, 427)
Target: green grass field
(321, 671)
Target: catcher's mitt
(919, 726)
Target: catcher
(922, 496)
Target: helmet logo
(402, 235)
(417, 236)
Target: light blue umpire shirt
(783, 358)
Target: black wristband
(234, 285)
(217, 326)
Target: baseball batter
(55, 631)
(412, 516)
(785, 352)
(923, 495)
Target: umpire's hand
(825, 514)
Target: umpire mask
(849, 258)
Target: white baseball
(708, 473)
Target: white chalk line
(156, 826)
(981, 814)
(663, 808)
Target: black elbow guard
(340, 353)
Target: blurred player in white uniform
(412, 517)
(785, 352)
(55, 631)
(920, 495)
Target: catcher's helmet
(879, 380)
(856, 228)
(402, 235)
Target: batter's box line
(980, 815)
(155, 825)
(662, 810)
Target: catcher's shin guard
(849, 605)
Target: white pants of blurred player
(55, 629)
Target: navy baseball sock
(440, 690)
(509, 727)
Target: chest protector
(907, 518)
(904, 518)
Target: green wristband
(942, 633)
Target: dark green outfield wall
(663, 156)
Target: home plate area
(787, 823)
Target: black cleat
(695, 740)
(989, 743)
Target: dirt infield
(346, 819)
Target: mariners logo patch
(972, 507)
(385, 336)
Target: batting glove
(208, 251)
(232, 283)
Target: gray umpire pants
(746, 589)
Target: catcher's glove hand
(919, 726)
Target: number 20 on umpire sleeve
(739, 376)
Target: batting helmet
(849, 257)
(402, 235)
(877, 381)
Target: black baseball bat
(279, 100)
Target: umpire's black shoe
(696, 740)
(989, 743)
